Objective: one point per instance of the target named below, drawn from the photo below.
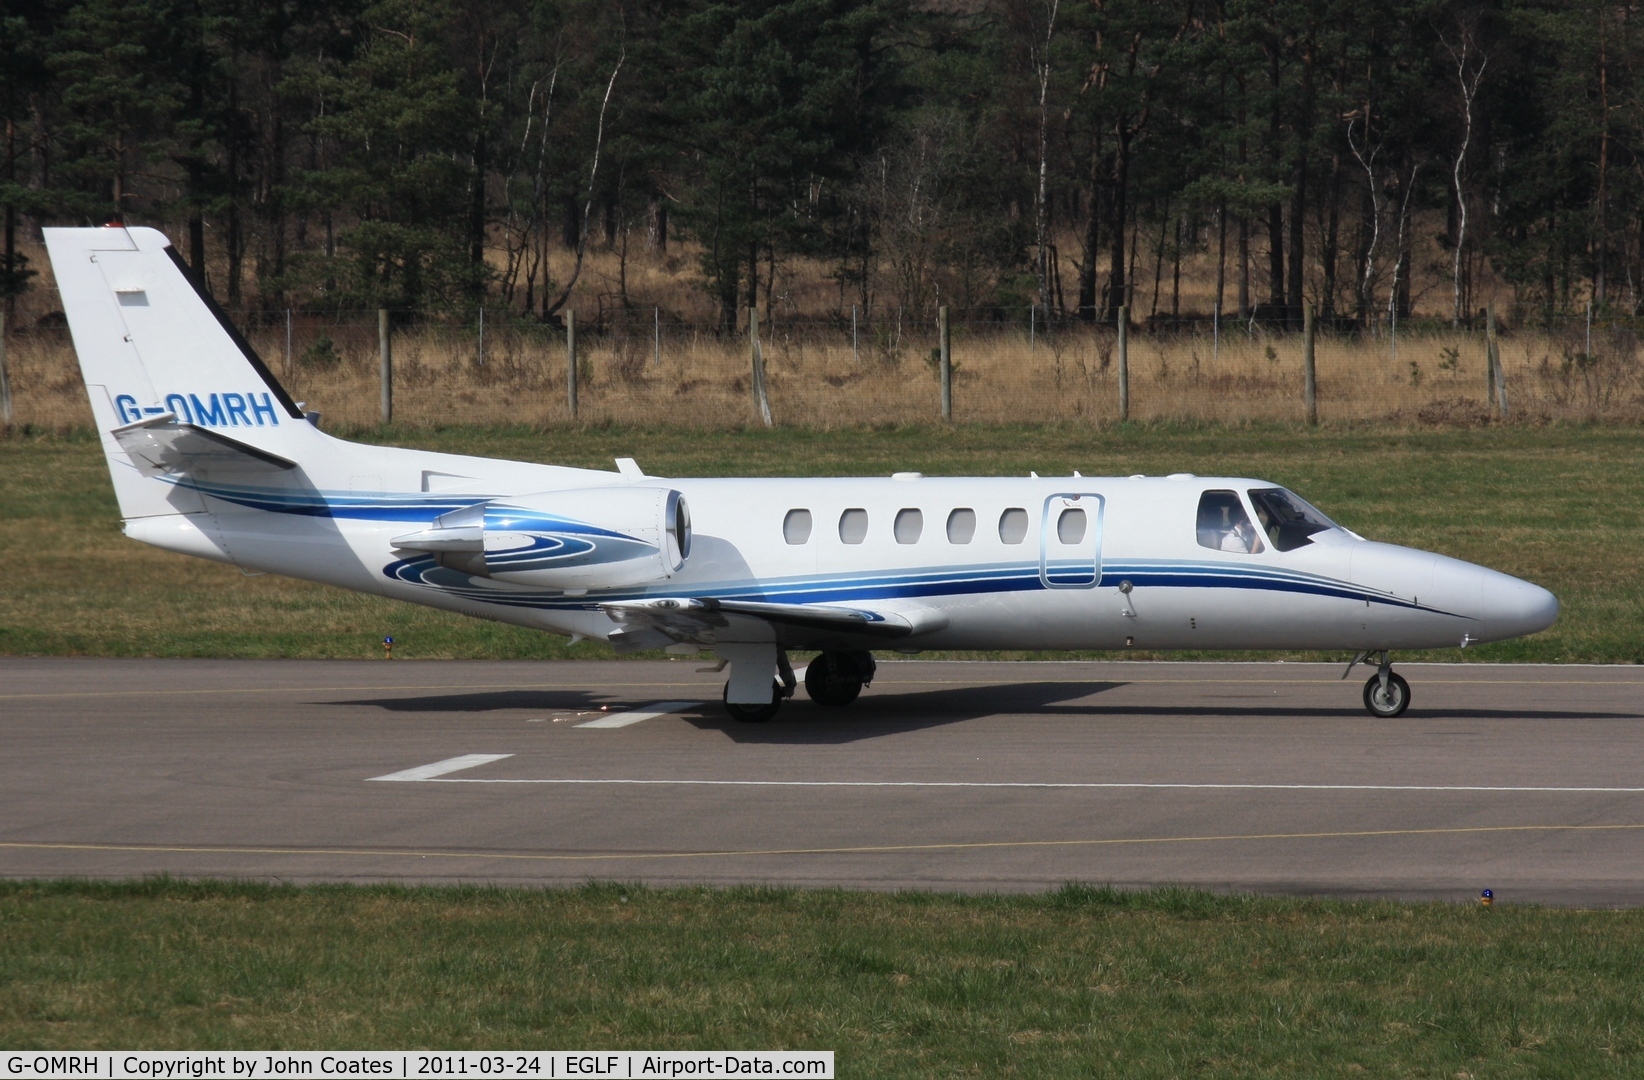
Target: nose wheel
(1386, 701)
(1386, 694)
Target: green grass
(1560, 505)
(1078, 982)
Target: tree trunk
(1298, 266)
(1330, 252)
(1093, 238)
(1119, 213)
(1244, 267)
(1221, 254)
(1275, 255)
(476, 212)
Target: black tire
(1396, 700)
(831, 683)
(752, 714)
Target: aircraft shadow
(546, 701)
(874, 715)
(803, 722)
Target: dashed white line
(647, 712)
(440, 768)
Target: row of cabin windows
(909, 525)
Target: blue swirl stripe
(942, 582)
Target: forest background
(811, 156)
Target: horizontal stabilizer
(685, 619)
(160, 446)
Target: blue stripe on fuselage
(966, 581)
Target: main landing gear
(833, 679)
(1386, 694)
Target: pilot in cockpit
(1224, 525)
(1241, 537)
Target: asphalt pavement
(971, 776)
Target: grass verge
(1562, 506)
(1079, 982)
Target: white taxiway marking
(623, 719)
(1039, 784)
(440, 768)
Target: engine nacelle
(590, 538)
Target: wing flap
(700, 618)
(161, 446)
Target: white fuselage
(1139, 578)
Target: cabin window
(796, 527)
(1013, 525)
(1070, 527)
(1286, 519)
(909, 524)
(1223, 524)
(962, 526)
(853, 525)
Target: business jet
(211, 457)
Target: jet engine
(589, 538)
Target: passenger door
(1070, 541)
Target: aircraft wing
(160, 446)
(654, 622)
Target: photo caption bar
(553, 1064)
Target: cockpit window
(1224, 525)
(1286, 519)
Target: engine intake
(590, 538)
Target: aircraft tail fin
(162, 364)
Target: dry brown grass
(697, 377)
(815, 379)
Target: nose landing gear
(1386, 694)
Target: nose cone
(1510, 608)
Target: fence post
(5, 378)
(1033, 327)
(571, 361)
(757, 360)
(856, 351)
(656, 337)
(1495, 366)
(288, 359)
(1490, 358)
(1587, 351)
(481, 354)
(385, 360)
(946, 340)
(1124, 362)
(1310, 378)
(1216, 334)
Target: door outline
(1067, 569)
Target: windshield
(1286, 518)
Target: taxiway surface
(974, 776)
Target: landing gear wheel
(1390, 703)
(752, 714)
(830, 682)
